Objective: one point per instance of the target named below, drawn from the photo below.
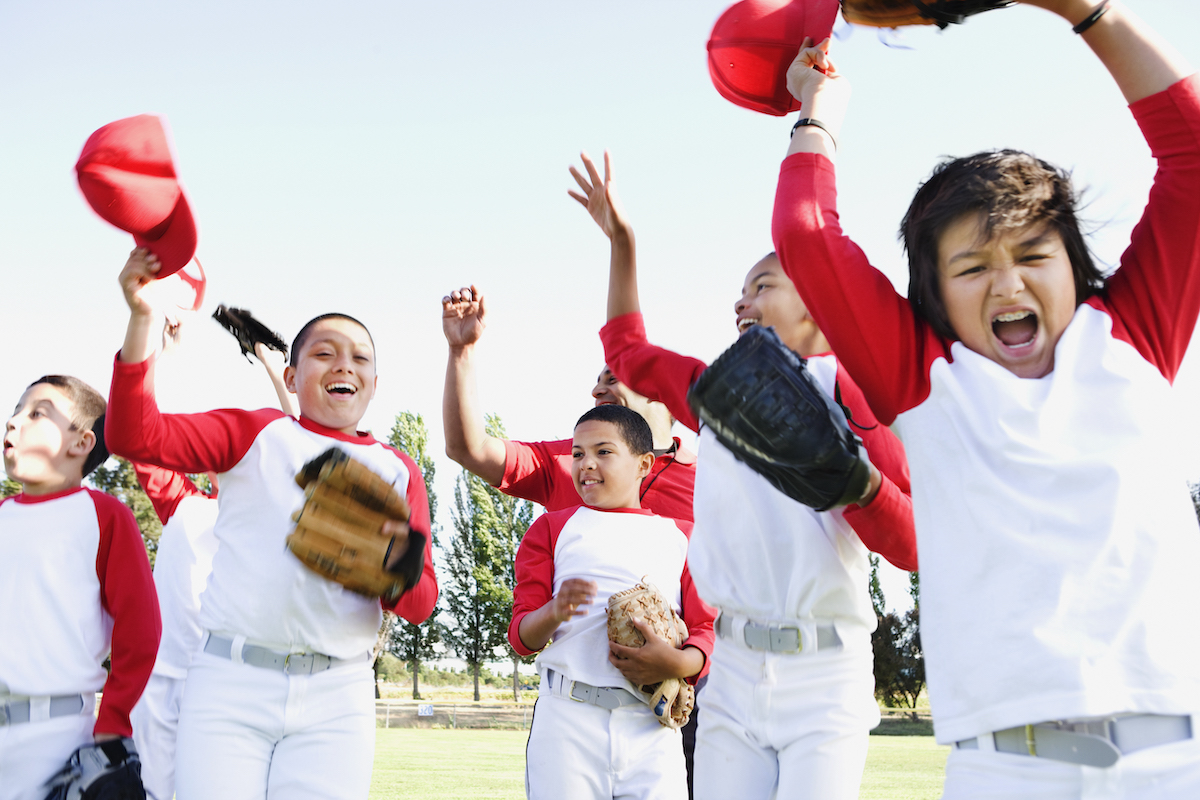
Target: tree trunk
(516, 681)
(415, 666)
(375, 669)
(476, 681)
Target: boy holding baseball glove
(280, 696)
(608, 714)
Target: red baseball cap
(127, 175)
(755, 41)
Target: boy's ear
(289, 378)
(83, 445)
(645, 463)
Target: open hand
(463, 313)
(600, 198)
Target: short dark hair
(306, 331)
(1010, 191)
(632, 427)
(86, 412)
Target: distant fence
(451, 714)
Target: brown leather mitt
(671, 701)
(339, 530)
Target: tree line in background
(477, 576)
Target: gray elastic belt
(1094, 742)
(15, 710)
(603, 696)
(781, 638)
(291, 663)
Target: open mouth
(1016, 328)
(340, 388)
(746, 324)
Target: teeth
(340, 387)
(746, 324)
(1013, 316)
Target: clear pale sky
(367, 157)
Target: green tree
(9, 487)
(488, 528)
(122, 483)
(896, 642)
(411, 643)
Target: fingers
(591, 168)
(583, 182)
(464, 296)
(608, 170)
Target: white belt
(1092, 742)
(15, 709)
(291, 663)
(603, 696)
(805, 638)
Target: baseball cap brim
(755, 41)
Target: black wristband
(1090, 19)
(816, 123)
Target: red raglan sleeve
(886, 525)
(136, 429)
(1154, 297)
(872, 328)
(697, 615)
(128, 596)
(164, 487)
(652, 371)
(532, 471)
(535, 578)
(417, 604)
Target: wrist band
(1090, 19)
(816, 123)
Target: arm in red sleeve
(872, 328)
(535, 578)
(417, 603)
(652, 371)
(127, 594)
(697, 615)
(1155, 296)
(540, 472)
(164, 487)
(136, 429)
(885, 525)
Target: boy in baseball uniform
(75, 588)
(593, 736)
(790, 697)
(1058, 540)
(279, 700)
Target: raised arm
(602, 202)
(273, 362)
(144, 319)
(467, 441)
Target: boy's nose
(1008, 282)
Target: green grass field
(418, 763)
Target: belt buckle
(287, 665)
(571, 694)
(777, 643)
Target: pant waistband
(807, 638)
(15, 709)
(1097, 742)
(604, 696)
(238, 651)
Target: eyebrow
(764, 274)
(1033, 241)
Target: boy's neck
(52, 486)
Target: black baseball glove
(249, 331)
(760, 401)
(895, 13)
(103, 771)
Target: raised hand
(140, 270)
(463, 312)
(600, 197)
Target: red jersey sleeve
(886, 525)
(136, 429)
(1154, 297)
(417, 603)
(127, 594)
(872, 328)
(697, 615)
(539, 471)
(535, 575)
(652, 371)
(164, 487)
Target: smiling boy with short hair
(280, 699)
(609, 744)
